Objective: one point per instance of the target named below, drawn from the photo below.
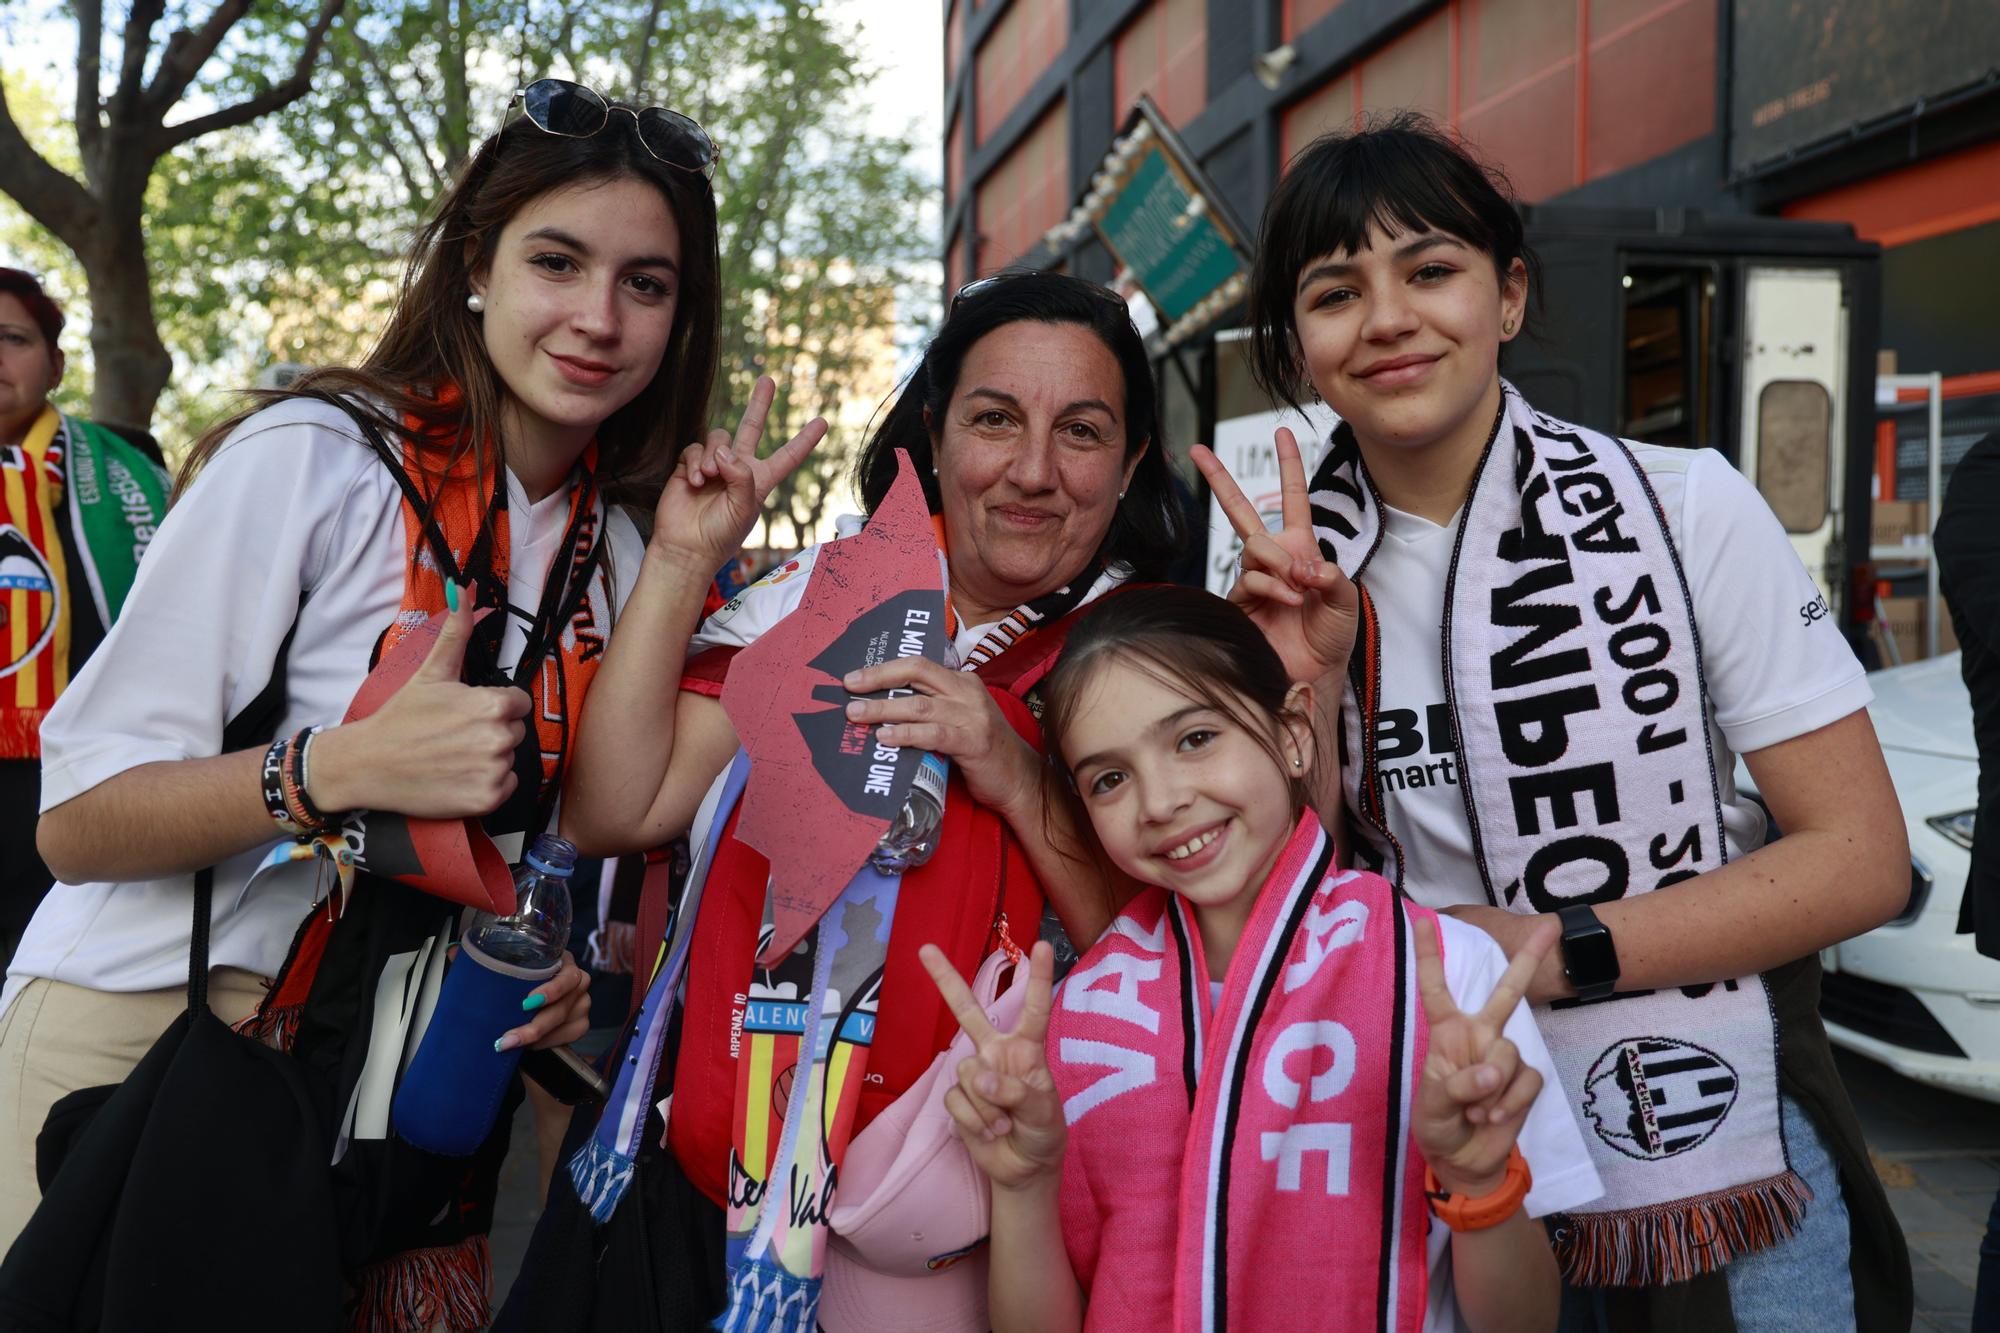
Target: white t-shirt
(292, 502)
(1559, 1163)
(1775, 669)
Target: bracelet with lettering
(272, 782)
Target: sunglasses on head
(572, 111)
(1097, 291)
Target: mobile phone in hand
(565, 1076)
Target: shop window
(1331, 108)
(1025, 43)
(954, 41)
(1302, 14)
(1651, 80)
(1413, 72)
(1551, 100)
(954, 161)
(1026, 194)
(1164, 53)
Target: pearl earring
(476, 303)
(1297, 764)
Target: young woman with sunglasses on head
(550, 352)
(1588, 631)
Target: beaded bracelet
(301, 810)
(297, 768)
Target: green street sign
(1161, 219)
(1162, 230)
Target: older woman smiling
(1033, 426)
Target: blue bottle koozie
(450, 1095)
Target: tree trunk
(132, 364)
(457, 112)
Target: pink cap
(907, 1249)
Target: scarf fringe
(600, 1176)
(21, 729)
(1672, 1242)
(421, 1290)
(276, 1026)
(764, 1298)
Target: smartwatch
(1590, 960)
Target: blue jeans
(1986, 1301)
(1767, 1290)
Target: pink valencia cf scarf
(1231, 1166)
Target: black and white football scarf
(1573, 674)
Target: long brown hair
(432, 340)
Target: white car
(1914, 994)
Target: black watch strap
(1590, 959)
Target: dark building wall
(1609, 103)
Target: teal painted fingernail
(499, 1045)
(451, 594)
(534, 1002)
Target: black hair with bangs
(1399, 173)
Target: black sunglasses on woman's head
(572, 111)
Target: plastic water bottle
(913, 834)
(537, 932)
(449, 1097)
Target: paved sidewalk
(1939, 1155)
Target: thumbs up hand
(438, 749)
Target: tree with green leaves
(286, 234)
(214, 71)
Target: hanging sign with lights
(1161, 219)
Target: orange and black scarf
(456, 526)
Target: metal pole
(1933, 489)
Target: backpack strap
(256, 723)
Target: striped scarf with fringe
(1580, 719)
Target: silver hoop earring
(476, 303)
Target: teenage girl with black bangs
(1588, 631)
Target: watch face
(1588, 956)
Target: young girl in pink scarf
(1273, 1094)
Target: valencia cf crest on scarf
(29, 601)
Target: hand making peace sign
(1306, 607)
(1475, 1090)
(712, 499)
(1005, 1102)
